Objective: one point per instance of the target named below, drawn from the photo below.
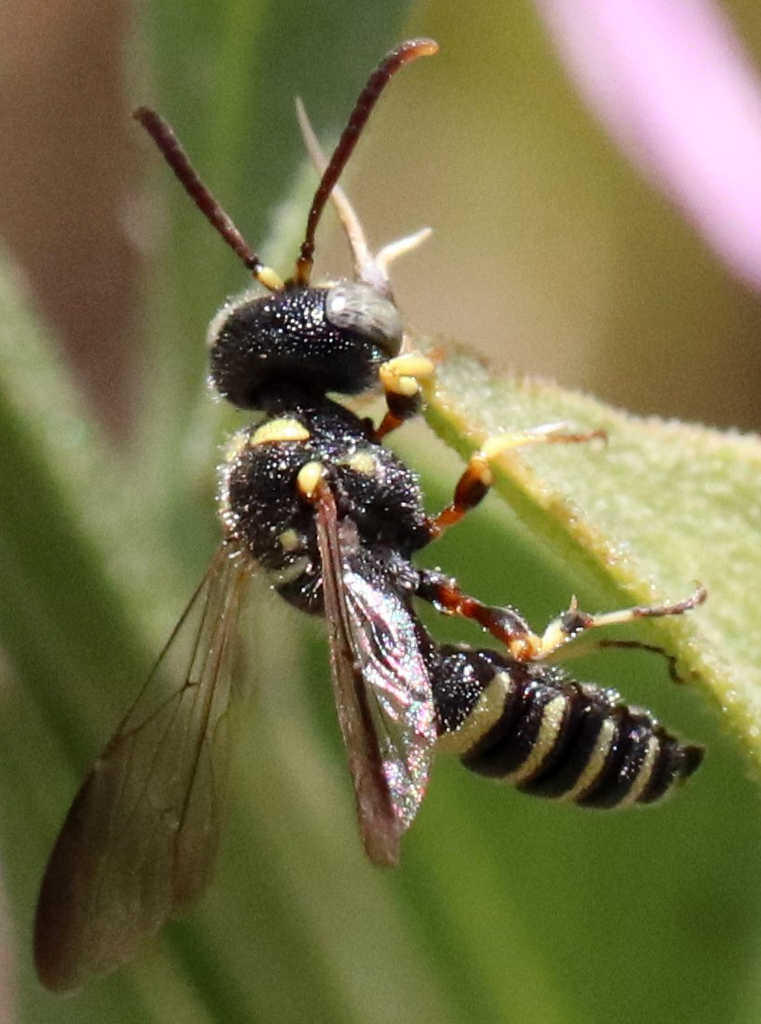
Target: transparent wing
(386, 649)
(140, 839)
(381, 687)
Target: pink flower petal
(673, 85)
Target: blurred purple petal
(673, 85)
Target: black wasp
(311, 495)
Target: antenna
(164, 136)
(166, 140)
(402, 54)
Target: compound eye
(360, 308)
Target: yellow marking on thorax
(644, 774)
(553, 715)
(596, 762)
(308, 479)
(280, 430)
(484, 716)
(362, 462)
(289, 540)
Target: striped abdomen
(533, 726)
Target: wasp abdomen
(549, 735)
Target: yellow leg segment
(477, 478)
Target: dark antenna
(402, 54)
(163, 135)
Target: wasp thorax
(312, 339)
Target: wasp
(310, 495)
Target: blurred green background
(549, 255)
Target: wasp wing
(381, 687)
(140, 839)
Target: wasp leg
(636, 645)
(504, 623)
(573, 622)
(587, 645)
(401, 379)
(512, 630)
(478, 479)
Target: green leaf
(661, 506)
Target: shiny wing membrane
(381, 688)
(140, 839)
